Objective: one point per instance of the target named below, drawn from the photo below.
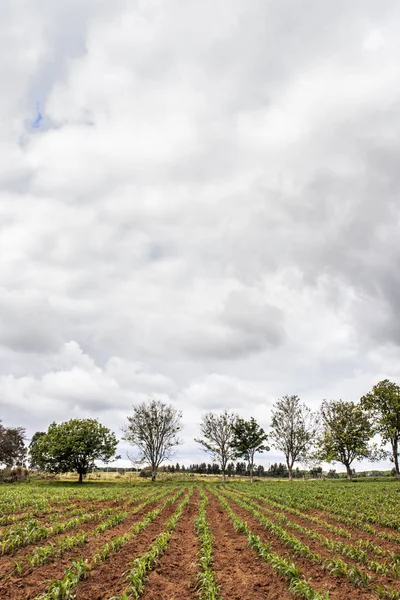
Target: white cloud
(207, 210)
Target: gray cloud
(208, 212)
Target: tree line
(341, 431)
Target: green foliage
(12, 447)
(283, 566)
(74, 446)
(248, 439)
(62, 589)
(383, 402)
(153, 428)
(141, 565)
(346, 433)
(34, 450)
(208, 588)
(294, 427)
(217, 436)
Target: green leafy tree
(248, 440)
(293, 430)
(217, 437)
(383, 403)
(74, 445)
(346, 433)
(34, 451)
(12, 445)
(153, 428)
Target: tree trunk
(251, 473)
(224, 462)
(153, 474)
(290, 469)
(80, 480)
(395, 448)
(349, 472)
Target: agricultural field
(206, 540)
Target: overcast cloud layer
(199, 202)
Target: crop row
(298, 585)
(354, 519)
(61, 589)
(357, 551)
(360, 507)
(48, 553)
(337, 567)
(208, 588)
(32, 531)
(22, 508)
(141, 565)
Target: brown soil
(7, 561)
(30, 585)
(240, 573)
(322, 581)
(356, 534)
(325, 552)
(109, 578)
(333, 519)
(354, 530)
(175, 575)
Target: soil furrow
(30, 585)
(319, 548)
(109, 578)
(337, 587)
(239, 572)
(175, 575)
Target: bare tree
(293, 430)
(153, 428)
(218, 434)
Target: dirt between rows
(109, 578)
(355, 531)
(30, 585)
(62, 512)
(239, 572)
(175, 575)
(337, 587)
(356, 534)
(7, 561)
(333, 519)
(317, 547)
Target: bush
(145, 473)
(13, 475)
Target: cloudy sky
(199, 202)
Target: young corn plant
(64, 587)
(207, 586)
(357, 551)
(283, 566)
(141, 565)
